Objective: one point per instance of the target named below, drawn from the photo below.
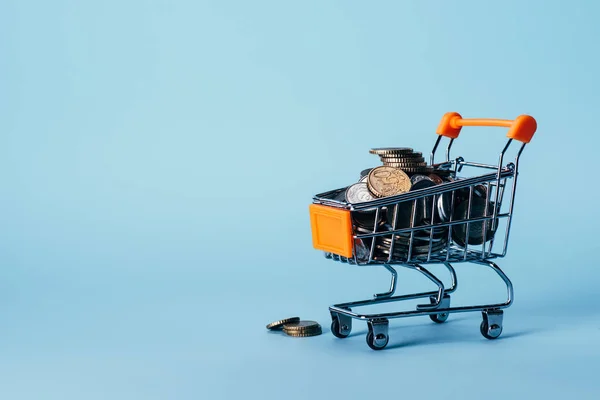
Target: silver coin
(404, 244)
(361, 251)
(443, 206)
(418, 178)
(366, 219)
(359, 193)
(364, 178)
(478, 191)
(391, 150)
(476, 229)
(402, 251)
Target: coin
(366, 219)
(388, 181)
(279, 324)
(401, 249)
(404, 214)
(443, 206)
(436, 179)
(404, 155)
(359, 193)
(300, 326)
(476, 229)
(409, 158)
(391, 150)
(418, 178)
(369, 229)
(305, 331)
(478, 191)
(361, 252)
(315, 332)
(401, 164)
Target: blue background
(157, 160)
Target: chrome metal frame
(496, 184)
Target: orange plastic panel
(331, 229)
(521, 129)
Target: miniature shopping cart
(462, 219)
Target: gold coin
(279, 324)
(402, 159)
(316, 332)
(405, 164)
(388, 181)
(408, 156)
(308, 329)
(301, 326)
(308, 332)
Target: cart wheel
(445, 303)
(380, 343)
(490, 332)
(337, 332)
(439, 318)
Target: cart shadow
(465, 335)
(454, 330)
(410, 325)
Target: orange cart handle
(521, 128)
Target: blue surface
(157, 160)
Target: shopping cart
(462, 219)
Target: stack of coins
(302, 329)
(296, 328)
(404, 158)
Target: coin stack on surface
(278, 325)
(302, 329)
(296, 328)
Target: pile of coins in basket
(405, 170)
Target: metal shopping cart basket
(460, 219)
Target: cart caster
(491, 326)
(378, 338)
(445, 303)
(341, 325)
